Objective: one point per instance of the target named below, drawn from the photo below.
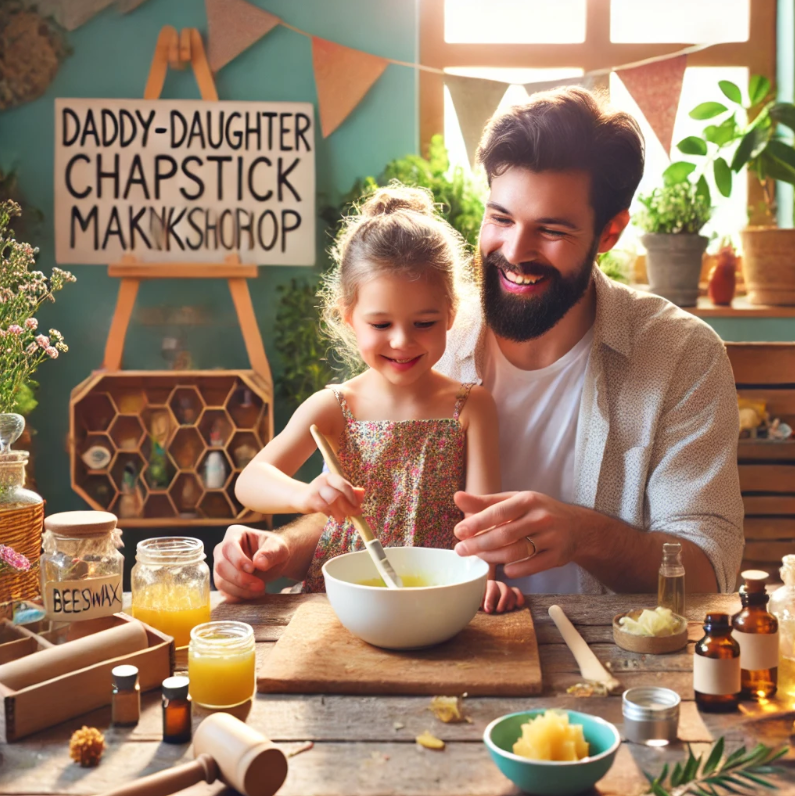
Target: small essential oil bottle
(671, 579)
(126, 696)
(177, 724)
(756, 631)
(716, 666)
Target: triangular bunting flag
(125, 6)
(656, 87)
(584, 81)
(475, 101)
(69, 14)
(342, 77)
(233, 26)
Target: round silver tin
(651, 715)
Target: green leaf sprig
(727, 146)
(741, 772)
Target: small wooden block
(495, 655)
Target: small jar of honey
(222, 664)
(171, 586)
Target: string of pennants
(344, 75)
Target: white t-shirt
(538, 411)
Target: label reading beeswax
(74, 600)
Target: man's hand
(500, 525)
(246, 560)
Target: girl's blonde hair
(397, 230)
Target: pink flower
(43, 340)
(10, 558)
(31, 349)
(51, 352)
(14, 329)
(31, 323)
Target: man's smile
(520, 279)
(513, 282)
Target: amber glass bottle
(756, 631)
(177, 725)
(716, 666)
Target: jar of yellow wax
(222, 664)
(171, 586)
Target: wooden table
(364, 746)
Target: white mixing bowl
(408, 618)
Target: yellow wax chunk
(549, 736)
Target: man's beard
(521, 318)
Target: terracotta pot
(673, 265)
(769, 265)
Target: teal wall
(111, 58)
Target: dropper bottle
(756, 631)
(671, 579)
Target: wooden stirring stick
(590, 666)
(377, 553)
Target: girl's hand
(333, 496)
(501, 598)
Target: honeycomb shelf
(160, 429)
(165, 448)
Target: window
(531, 21)
(537, 40)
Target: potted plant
(672, 217)
(726, 146)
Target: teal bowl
(551, 778)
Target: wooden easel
(177, 50)
(95, 413)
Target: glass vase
(21, 519)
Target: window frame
(758, 55)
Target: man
(618, 414)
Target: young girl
(408, 438)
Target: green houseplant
(672, 217)
(308, 363)
(723, 149)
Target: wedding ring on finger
(531, 544)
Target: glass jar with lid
(171, 585)
(782, 605)
(81, 566)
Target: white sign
(70, 600)
(184, 181)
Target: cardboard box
(45, 704)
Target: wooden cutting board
(495, 655)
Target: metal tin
(651, 715)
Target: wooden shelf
(740, 308)
(190, 414)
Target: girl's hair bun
(395, 198)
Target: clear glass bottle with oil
(716, 666)
(756, 631)
(782, 605)
(671, 579)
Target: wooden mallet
(227, 749)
